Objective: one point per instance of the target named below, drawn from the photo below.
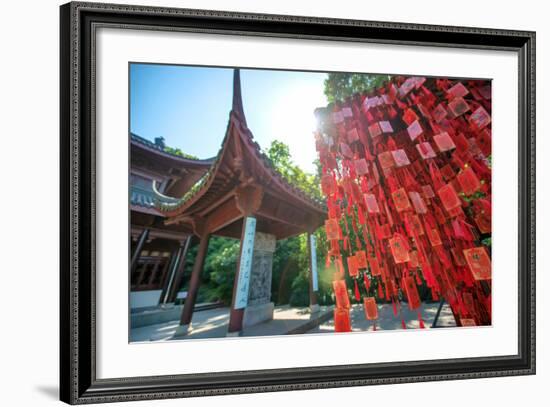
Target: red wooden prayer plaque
(400, 158)
(385, 126)
(332, 229)
(371, 309)
(418, 202)
(425, 150)
(444, 142)
(353, 266)
(480, 118)
(361, 257)
(449, 198)
(479, 263)
(361, 166)
(412, 292)
(415, 130)
(386, 159)
(342, 321)
(468, 181)
(458, 106)
(374, 130)
(401, 200)
(341, 293)
(372, 205)
(399, 249)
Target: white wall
(139, 299)
(29, 223)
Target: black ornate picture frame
(79, 383)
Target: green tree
(339, 86)
(279, 155)
(290, 260)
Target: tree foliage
(178, 152)
(339, 86)
(279, 155)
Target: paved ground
(213, 323)
(387, 320)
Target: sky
(189, 107)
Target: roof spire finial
(237, 97)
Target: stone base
(182, 330)
(254, 314)
(314, 308)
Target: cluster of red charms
(407, 177)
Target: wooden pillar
(248, 200)
(178, 278)
(242, 277)
(188, 307)
(313, 276)
(139, 247)
(168, 280)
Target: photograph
(254, 202)
(267, 202)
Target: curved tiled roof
(202, 185)
(237, 118)
(151, 146)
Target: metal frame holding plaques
(79, 383)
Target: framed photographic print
(259, 203)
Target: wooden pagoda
(157, 249)
(242, 196)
